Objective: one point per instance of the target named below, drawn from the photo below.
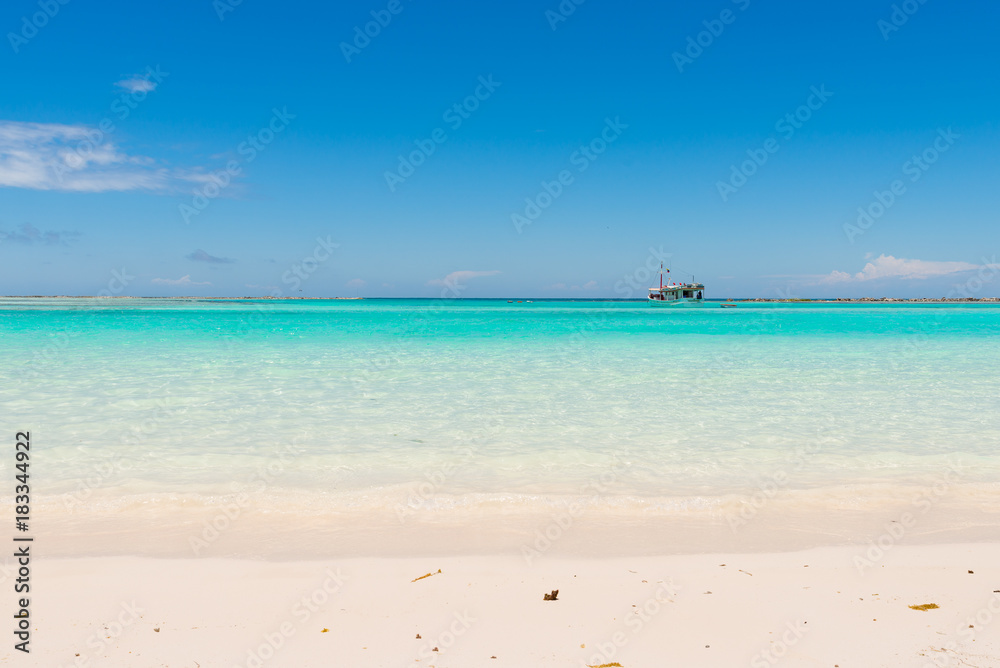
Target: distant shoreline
(912, 300)
(187, 297)
(836, 300)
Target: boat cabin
(682, 291)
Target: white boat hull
(676, 303)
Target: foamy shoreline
(820, 607)
(287, 526)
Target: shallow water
(327, 412)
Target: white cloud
(183, 280)
(78, 158)
(457, 278)
(836, 277)
(590, 285)
(356, 283)
(887, 266)
(137, 84)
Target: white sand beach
(828, 606)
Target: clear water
(401, 411)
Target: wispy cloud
(457, 278)
(183, 280)
(79, 158)
(29, 234)
(137, 84)
(201, 256)
(357, 283)
(889, 267)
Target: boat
(676, 294)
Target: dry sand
(808, 608)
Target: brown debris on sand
(553, 596)
(425, 576)
(924, 607)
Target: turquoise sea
(387, 425)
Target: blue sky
(207, 148)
